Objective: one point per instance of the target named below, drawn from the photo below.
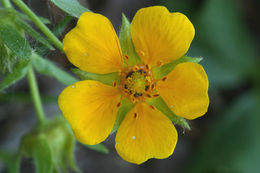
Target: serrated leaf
(30, 31)
(125, 107)
(19, 72)
(160, 104)
(14, 41)
(126, 42)
(42, 156)
(160, 72)
(104, 78)
(72, 7)
(46, 67)
(99, 147)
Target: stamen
(156, 95)
(159, 63)
(146, 87)
(114, 84)
(164, 78)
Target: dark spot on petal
(146, 87)
(135, 115)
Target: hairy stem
(39, 23)
(35, 95)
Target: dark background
(225, 140)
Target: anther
(135, 68)
(159, 63)
(164, 78)
(129, 74)
(148, 95)
(148, 67)
(146, 87)
(114, 84)
(156, 95)
(125, 86)
(152, 86)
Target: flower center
(137, 83)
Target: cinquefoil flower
(91, 107)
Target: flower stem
(6, 3)
(39, 23)
(35, 95)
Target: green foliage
(160, 72)
(51, 146)
(98, 147)
(34, 34)
(46, 67)
(126, 42)
(11, 160)
(104, 78)
(42, 156)
(72, 7)
(20, 70)
(232, 142)
(14, 41)
(160, 104)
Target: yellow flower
(90, 107)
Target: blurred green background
(225, 140)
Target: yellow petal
(90, 107)
(186, 90)
(145, 133)
(93, 45)
(161, 36)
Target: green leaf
(46, 67)
(126, 42)
(224, 38)
(12, 161)
(7, 59)
(125, 107)
(42, 156)
(160, 72)
(72, 7)
(99, 147)
(160, 104)
(104, 78)
(19, 72)
(29, 30)
(232, 141)
(14, 41)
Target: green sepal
(42, 155)
(125, 107)
(98, 147)
(160, 72)
(72, 7)
(160, 104)
(19, 72)
(107, 79)
(126, 42)
(48, 68)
